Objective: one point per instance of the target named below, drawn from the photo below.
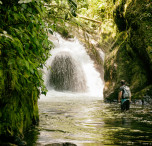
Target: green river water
(90, 123)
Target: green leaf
(23, 16)
(27, 64)
(73, 4)
(11, 61)
(50, 31)
(15, 16)
(24, 6)
(15, 8)
(27, 45)
(29, 10)
(31, 69)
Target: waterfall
(66, 74)
(70, 73)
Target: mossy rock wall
(130, 58)
(17, 114)
(24, 48)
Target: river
(91, 123)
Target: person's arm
(119, 96)
(130, 97)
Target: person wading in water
(124, 96)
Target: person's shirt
(126, 93)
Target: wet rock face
(130, 58)
(67, 74)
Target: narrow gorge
(61, 63)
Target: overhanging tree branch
(86, 18)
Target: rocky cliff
(130, 58)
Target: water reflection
(92, 123)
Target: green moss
(119, 17)
(63, 30)
(147, 91)
(17, 117)
(133, 49)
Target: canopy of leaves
(95, 18)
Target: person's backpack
(126, 92)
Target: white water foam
(77, 51)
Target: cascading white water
(67, 74)
(76, 50)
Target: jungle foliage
(94, 18)
(24, 48)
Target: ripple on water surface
(92, 123)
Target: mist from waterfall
(87, 74)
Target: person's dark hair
(122, 82)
